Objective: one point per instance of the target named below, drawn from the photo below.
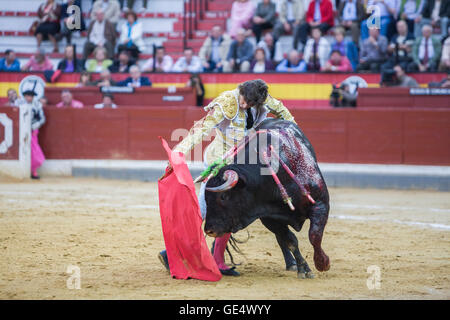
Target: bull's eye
(224, 196)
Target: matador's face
(242, 103)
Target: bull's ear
(242, 182)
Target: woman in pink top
(68, 101)
(242, 12)
(337, 63)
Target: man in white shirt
(162, 63)
(388, 10)
(188, 63)
(101, 33)
(107, 103)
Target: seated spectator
(111, 8)
(67, 101)
(426, 51)
(264, 18)
(100, 62)
(38, 62)
(260, 64)
(48, 13)
(409, 12)
(242, 12)
(271, 48)
(101, 34)
(320, 15)
(135, 79)
(85, 80)
(162, 63)
(435, 13)
(400, 47)
(445, 57)
(317, 50)
(337, 63)
(107, 102)
(105, 79)
(130, 4)
(9, 62)
(444, 83)
(292, 64)
(67, 21)
(214, 50)
(44, 101)
(346, 48)
(132, 36)
(70, 63)
(351, 14)
(292, 14)
(196, 82)
(123, 64)
(402, 79)
(373, 51)
(13, 99)
(388, 10)
(240, 54)
(188, 62)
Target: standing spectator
(70, 63)
(265, 18)
(292, 64)
(188, 62)
(38, 62)
(351, 13)
(373, 51)
(130, 5)
(271, 48)
(347, 48)
(400, 47)
(337, 63)
(402, 79)
(214, 50)
(107, 102)
(67, 101)
(320, 15)
(101, 34)
(111, 8)
(240, 54)
(434, 12)
(49, 14)
(260, 64)
(122, 64)
(9, 62)
(410, 11)
(242, 12)
(85, 80)
(100, 62)
(132, 36)
(105, 79)
(426, 51)
(13, 99)
(135, 79)
(162, 63)
(67, 20)
(388, 12)
(317, 50)
(292, 15)
(445, 58)
(196, 82)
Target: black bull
(232, 207)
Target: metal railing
(193, 12)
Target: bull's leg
(318, 220)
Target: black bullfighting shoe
(162, 256)
(35, 177)
(230, 272)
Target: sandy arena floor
(111, 230)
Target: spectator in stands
(105, 79)
(293, 63)
(135, 79)
(101, 34)
(67, 101)
(122, 64)
(345, 47)
(99, 62)
(434, 12)
(292, 14)
(38, 62)
(388, 13)
(444, 83)
(445, 57)
(188, 62)
(85, 80)
(240, 54)
(351, 14)
(337, 63)
(373, 51)
(260, 64)
(162, 63)
(402, 79)
(107, 102)
(196, 82)
(13, 99)
(130, 4)
(48, 13)
(132, 36)
(271, 48)
(44, 101)
(400, 47)
(317, 50)
(9, 62)
(111, 8)
(242, 12)
(70, 63)
(67, 20)
(264, 18)
(214, 50)
(320, 15)
(426, 51)
(410, 11)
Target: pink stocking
(219, 251)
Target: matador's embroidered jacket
(229, 121)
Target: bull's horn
(231, 179)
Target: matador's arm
(277, 108)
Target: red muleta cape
(187, 251)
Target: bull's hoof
(292, 268)
(310, 275)
(301, 275)
(305, 275)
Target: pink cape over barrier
(187, 250)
